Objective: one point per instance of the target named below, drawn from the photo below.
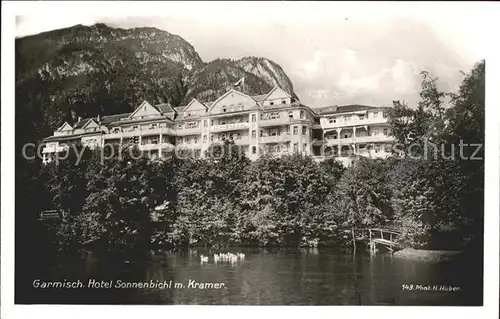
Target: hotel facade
(274, 122)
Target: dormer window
(283, 102)
(224, 110)
(271, 103)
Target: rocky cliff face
(90, 70)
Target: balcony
(341, 141)
(275, 139)
(374, 139)
(189, 131)
(54, 149)
(273, 122)
(325, 124)
(230, 127)
(139, 132)
(359, 139)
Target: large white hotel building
(273, 122)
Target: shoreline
(426, 255)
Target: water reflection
(263, 277)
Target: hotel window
(188, 140)
(290, 115)
(288, 129)
(386, 132)
(153, 126)
(116, 130)
(304, 148)
(274, 132)
(154, 140)
(211, 138)
(274, 116)
(135, 127)
(254, 118)
(179, 127)
(254, 134)
(224, 110)
(205, 123)
(333, 120)
(301, 114)
(271, 103)
(375, 114)
(384, 114)
(212, 122)
(135, 140)
(361, 117)
(295, 147)
(196, 140)
(254, 149)
(295, 130)
(304, 130)
(377, 148)
(238, 136)
(222, 122)
(223, 136)
(261, 133)
(192, 125)
(204, 138)
(283, 102)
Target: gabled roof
(273, 90)
(164, 108)
(259, 98)
(82, 122)
(194, 101)
(144, 104)
(226, 94)
(90, 121)
(179, 109)
(65, 124)
(113, 118)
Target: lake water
(264, 277)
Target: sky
(333, 57)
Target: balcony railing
(275, 139)
(367, 121)
(188, 131)
(273, 122)
(230, 127)
(359, 139)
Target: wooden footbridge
(376, 236)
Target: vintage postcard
(249, 154)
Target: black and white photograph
(251, 154)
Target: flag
(240, 82)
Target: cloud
(330, 61)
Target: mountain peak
(99, 69)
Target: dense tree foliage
(225, 199)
